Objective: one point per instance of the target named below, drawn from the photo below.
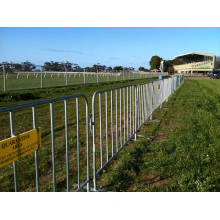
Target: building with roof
(196, 63)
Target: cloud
(64, 51)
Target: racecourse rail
(34, 80)
(125, 110)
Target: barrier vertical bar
(112, 133)
(36, 152)
(145, 100)
(53, 146)
(67, 145)
(133, 108)
(100, 127)
(139, 105)
(77, 141)
(124, 124)
(106, 123)
(116, 118)
(136, 112)
(120, 119)
(127, 113)
(142, 104)
(130, 118)
(87, 144)
(94, 143)
(14, 163)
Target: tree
(28, 66)
(168, 65)
(141, 68)
(7, 66)
(77, 68)
(109, 69)
(117, 69)
(18, 67)
(68, 66)
(54, 66)
(155, 62)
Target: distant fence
(117, 115)
(30, 80)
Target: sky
(107, 46)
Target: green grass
(25, 81)
(180, 151)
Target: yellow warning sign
(19, 146)
(158, 86)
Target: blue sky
(109, 46)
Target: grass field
(28, 81)
(179, 150)
(23, 122)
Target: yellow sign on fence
(158, 86)
(14, 148)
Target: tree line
(73, 67)
(59, 67)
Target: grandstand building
(196, 63)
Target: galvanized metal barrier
(135, 107)
(51, 102)
(120, 125)
(117, 115)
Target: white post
(41, 79)
(84, 77)
(97, 77)
(4, 78)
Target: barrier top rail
(112, 89)
(30, 104)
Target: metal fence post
(77, 140)
(36, 152)
(94, 142)
(53, 146)
(136, 115)
(14, 163)
(106, 123)
(67, 145)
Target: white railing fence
(31, 80)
